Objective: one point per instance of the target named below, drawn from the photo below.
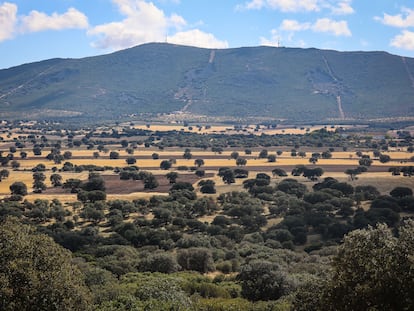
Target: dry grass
(175, 127)
(250, 129)
(27, 178)
(383, 181)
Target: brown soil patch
(114, 185)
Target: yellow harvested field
(134, 196)
(174, 127)
(27, 178)
(250, 129)
(66, 198)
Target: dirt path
(341, 111)
(338, 97)
(212, 56)
(328, 67)
(187, 90)
(24, 84)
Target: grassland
(377, 174)
(335, 166)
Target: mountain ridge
(160, 78)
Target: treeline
(97, 139)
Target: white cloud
(400, 20)
(177, 21)
(254, 5)
(198, 38)
(273, 41)
(338, 28)
(336, 7)
(405, 40)
(39, 21)
(278, 40)
(144, 22)
(343, 8)
(289, 27)
(8, 20)
(11, 24)
(293, 25)
(282, 5)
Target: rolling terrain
(262, 82)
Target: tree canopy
(36, 273)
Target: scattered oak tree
(36, 273)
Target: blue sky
(33, 30)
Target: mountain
(277, 83)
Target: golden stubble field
(212, 161)
(249, 129)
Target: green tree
(399, 192)
(227, 175)
(36, 273)
(313, 160)
(271, 158)
(159, 262)
(38, 182)
(165, 165)
(234, 155)
(196, 259)
(130, 160)
(262, 280)
(263, 154)
(92, 214)
(187, 154)
(4, 174)
(241, 161)
(172, 177)
(15, 164)
(150, 182)
(114, 155)
(373, 270)
(384, 158)
(365, 162)
(56, 180)
(94, 182)
(207, 186)
(312, 173)
(279, 172)
(199, 162)
(73, 184)
(353, 172)
(37, 150)
(67, 155)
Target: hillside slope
(279, 83)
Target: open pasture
(248, 129)
(149, 157)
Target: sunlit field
(150, 158)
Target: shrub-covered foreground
(373, 269)
(278, 245)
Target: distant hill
(279, 83)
